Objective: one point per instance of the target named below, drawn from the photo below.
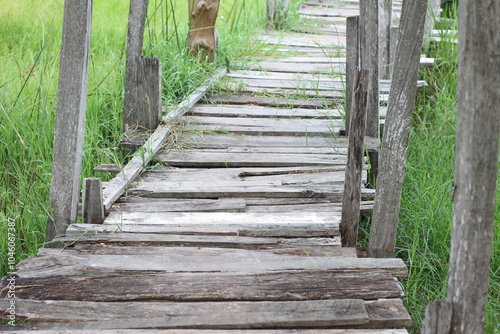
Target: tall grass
(426, 206)
(30, 35)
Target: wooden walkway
(235, 228)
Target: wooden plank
(295, 230)
(53, 262)
(304, 40)
(276, 101)
(386, 313)
(264, 112)
(397, 131)
(263, 122)
(113, 315)
(317, 207)
(291, 67)
(180, 158)
(200, 287)
(70, 117)
(224, 141)
(341, 12)
(135, 239)
(210, 331)
(217, 218)
(233, 86)
(174, 205)
(117, 185)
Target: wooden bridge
(235, 226)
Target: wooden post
(437, 318)
(70, 119)
(352, 62)
(476, 162)
(368, 21)
(202, 40)
(355, 158)
(93, 208)
(144, 99)
(135, 37)
(384, 24)
(277, 11)
(397, 130)
(394, 33)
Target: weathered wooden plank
(181, 158)
(264, 112)
(342, 12)
(70, 119)
(296, 230)
(53, 262)
(209, 331)
(292, 67)
(352, 62)
(133, 239)
(213, 287)
(264, 122)
(386, 313)
(174, 205)
(318, 207)
(240, 99)
(305, 40)
(106, 315)
(234, 86)
(225, 141)
(217, 218)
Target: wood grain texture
(212, 287)
(70, 117)
(476, 163)
(397, 130)
(292, 314)
(355, 162)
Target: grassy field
(29, 45)
(30, 37)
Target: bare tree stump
(202, 40)
(92, 208)
(437, 318)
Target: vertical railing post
(397, 130)
(92, 203)
(352, 62)
(277, 11)
(355, 161)
(70, 116)
(384, 24)
(135, 39)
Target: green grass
(30, 37)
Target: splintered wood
(234, 226)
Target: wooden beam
(397, 130)
(384, 24)
(437, 318)
(476, 163)
(70, 117)
(352, 189)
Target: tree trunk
(202, 40)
